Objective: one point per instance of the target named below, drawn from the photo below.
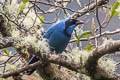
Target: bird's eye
(70, 22)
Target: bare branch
(89, 8)
(117, 31)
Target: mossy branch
(91, 63)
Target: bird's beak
(79, 22)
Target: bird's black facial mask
(69, 23)
(72, 22)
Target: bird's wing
(50, 31)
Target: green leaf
(113, 10)
(6, 51)
(84, 34)
(89, 48)
(25, 1)
(21, 8)
(42, 18)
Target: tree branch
(13, 73)
(68, 61)
(96, 54)
(89, 8)
(6, 42)
(117, 31)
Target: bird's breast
(58, 41)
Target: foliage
(84, 34)
(6, 51)
(41, 18)
(21, 8)
(115, 10)
(25, 1)
(89, 48)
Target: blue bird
(58, 37)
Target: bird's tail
(32, 60)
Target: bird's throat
(66, 33)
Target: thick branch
(67, 61)
(96, 54)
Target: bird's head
(70, 24)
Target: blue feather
(58, 37)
